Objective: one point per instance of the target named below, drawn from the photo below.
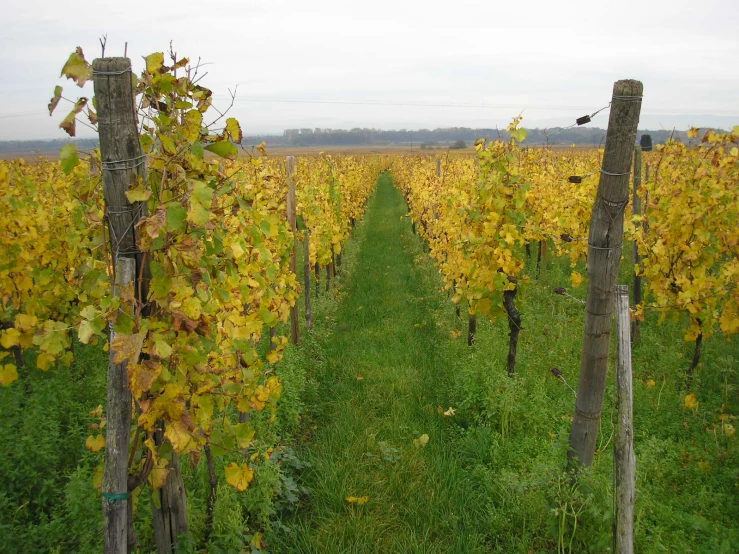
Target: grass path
(380, 387)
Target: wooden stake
(292, 218)
(123, 162)
(604, 253)
(624, 456)
(117, 440)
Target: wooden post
(438, 167)
(306, 280)
(623, 448)
(170, 515)
(604, 253)
(514, 325)
(329, 274)
(117, 440)
(293, 220)
(123, 162)
(472, 330)
(636, 205)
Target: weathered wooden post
(293, 220)
(123, 162)
(438, 168)
(636, 258)
(605, 244)
(514, 325)
(623, 448)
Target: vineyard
(209, 349)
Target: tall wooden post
(623, 448)
(118, 415)
(292, 218)
(123, 162)
(605, 244)
(636, 258)
(438, 167)
(306, 280)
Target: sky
(392, 64)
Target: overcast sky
(393, 64)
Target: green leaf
(168, 144)
(197, 150)
(164, 350)
(519, 135)
(175, 217)
(77, 68)
(244, 434)
(202, 193)
(224, 149)
(146, 142)
(68, 158)
(55, 99)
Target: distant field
(280, 151)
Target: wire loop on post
(604, 172)
(112, 72)
(140, 159)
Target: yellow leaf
(239, 476)
(273, 357)
(44, 361)
(10, 337)
(8, 374)
(159, 474)
(650, 384)
(154, 62)
(95, 443)
(450, 412)
(421, 441)
(358, 500)
(691, 402)
(25, 322)
(576, 279)
(127, 347)
(178, 434)
(138, 194)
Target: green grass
(381, 384)
(493, 476)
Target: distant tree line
(580, 136)
(452, 137)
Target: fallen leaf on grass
(691, 402)
(358, 500)
(421, 441)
